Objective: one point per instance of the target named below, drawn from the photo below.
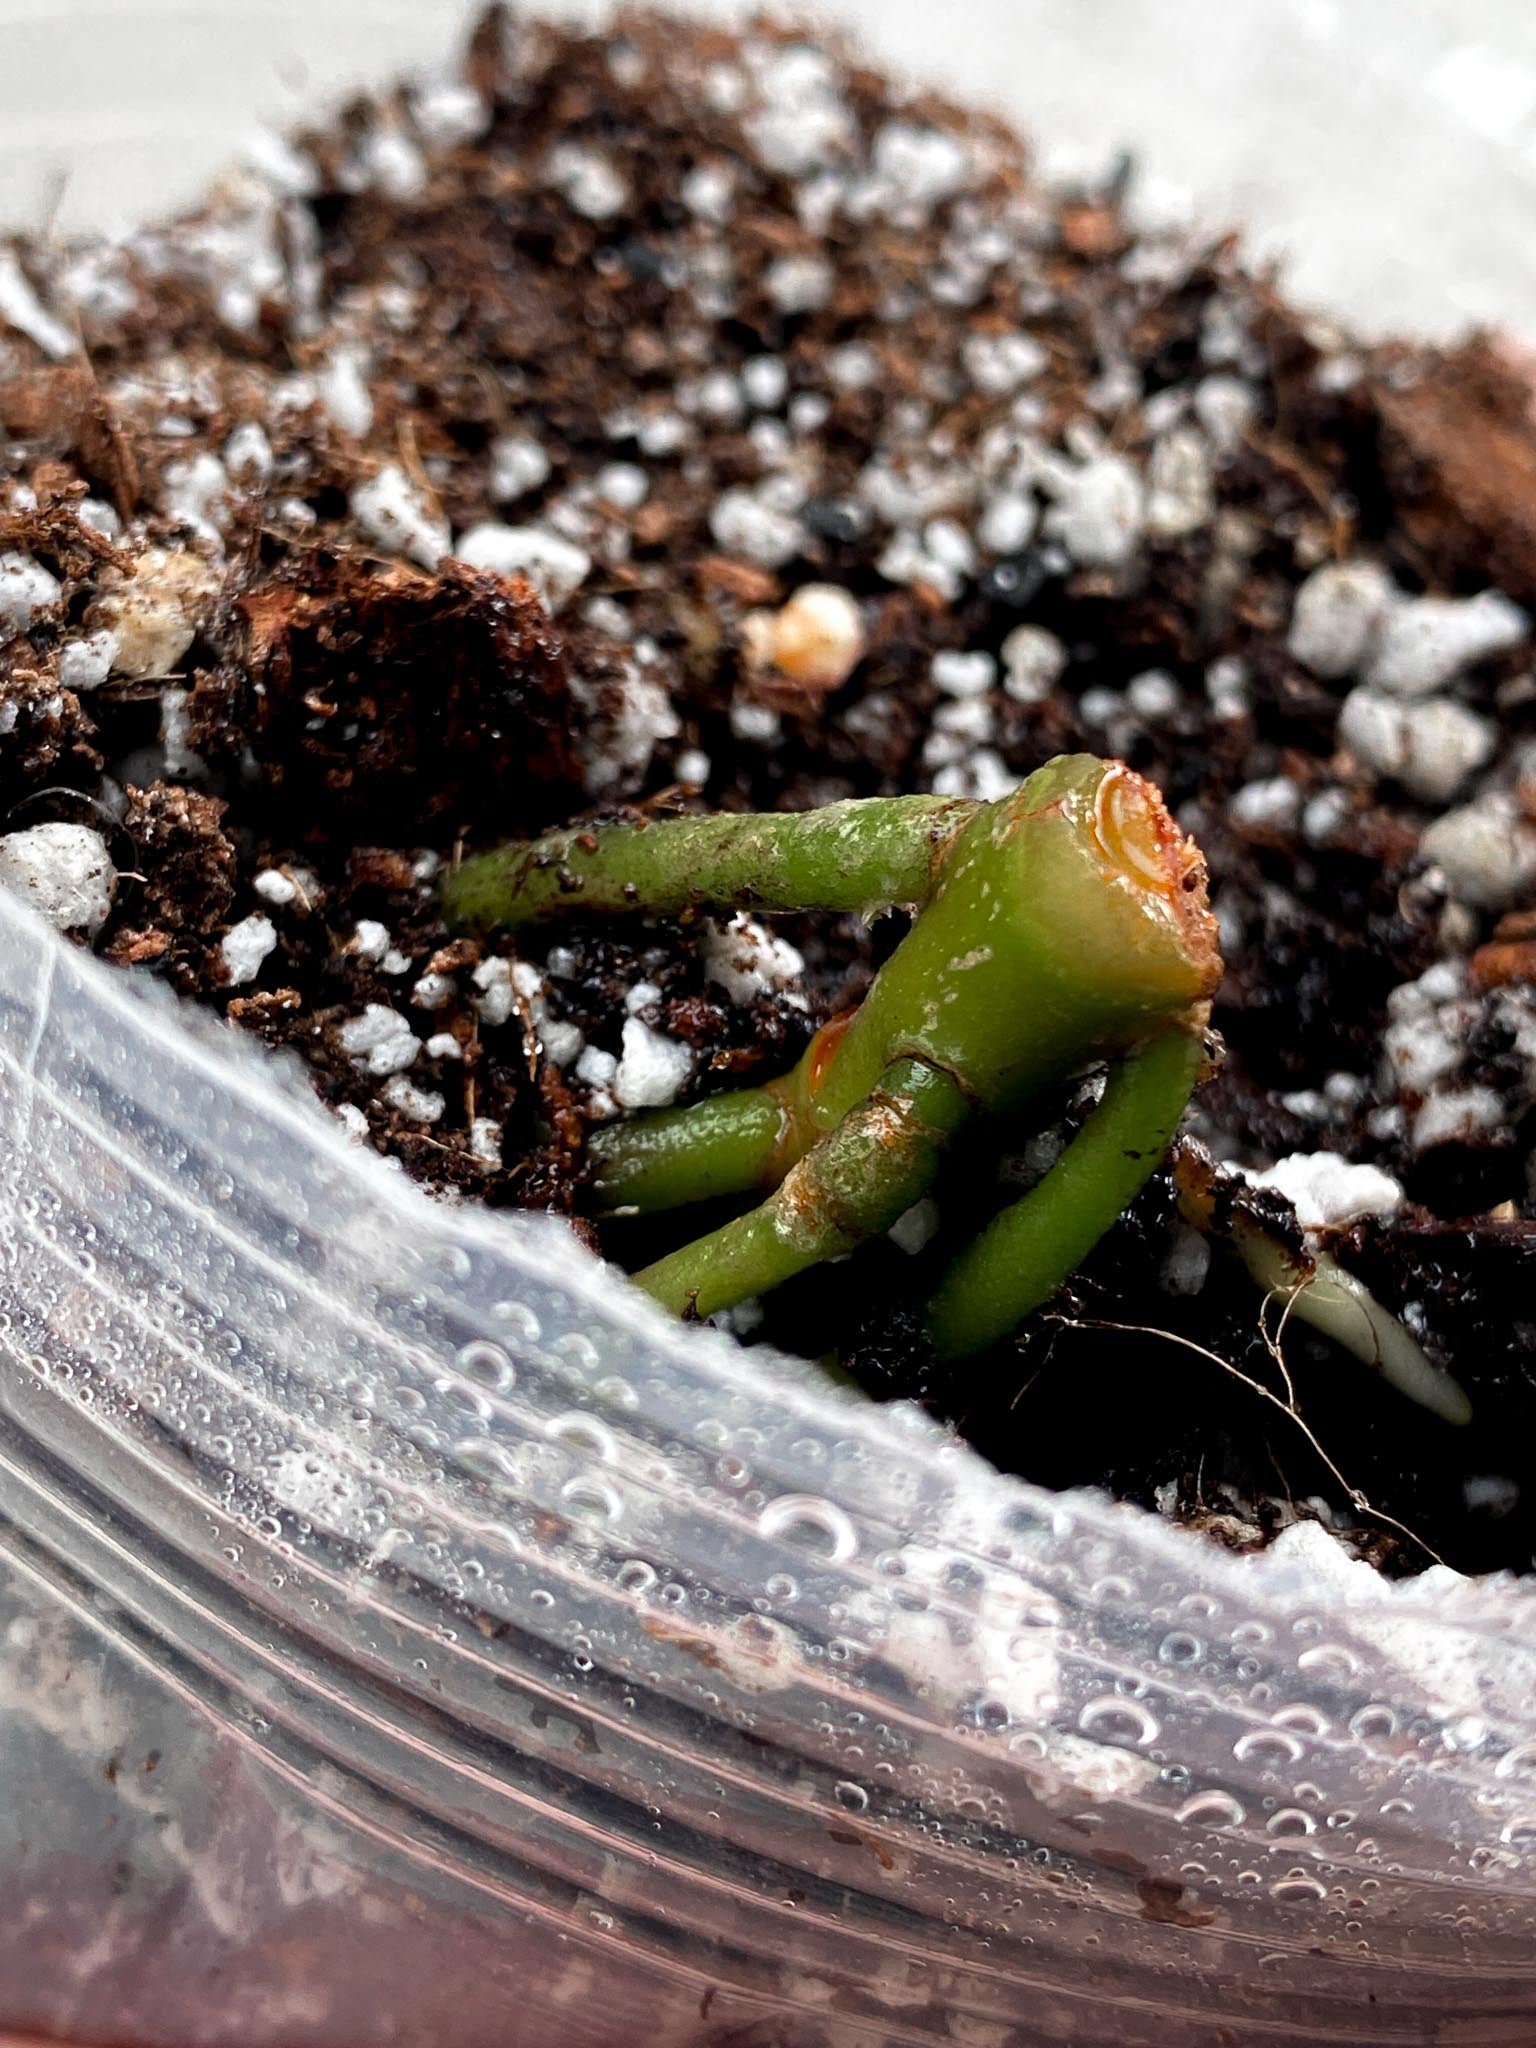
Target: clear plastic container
(406, 1635)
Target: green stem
(850, 1186)
(862, 855)
(721, 1146)
(1027, 1251)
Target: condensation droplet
(1180, 1648)
(519, 1319)
(813, 1523)
(1290, 1820)
(1298, 1889)
(577, 1350)
(1519, 1762)
(594, 1499)
(634, 1575)
(486, 1460)
(1113, 1719)
(1331, 1659)
(852, 1798)
(1373, 1723)
(1519, 1833)
(1212, 1810)
(487, 1364)
(1268, 1746)
(584, 1433)
(1305, 1720)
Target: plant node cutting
(1062, 927)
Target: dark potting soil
(453, 473)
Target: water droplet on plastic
(488, 1364)
(1180, 1648)
(593, 1499)
(852, 1798)
(1298, 1889)
(1268, 1746)
(1373, 1723)
(1519, 1762)
(1520, 1833)
(1211, 1810)
(813, 1523)
(520, 1320)
(1113, 1719)
(577, 1350)
(1331, 1659)
(634, 1575)
(584, 1433)
(1305, 1720)
(1290, 1820)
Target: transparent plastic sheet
(408, 1634)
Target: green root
(851, 1185)
(1025, 1253)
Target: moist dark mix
(682, 420)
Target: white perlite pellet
(624, 728)
(800, 284)
(379, 1040)
(1426, 642)
(485, 1140)
(64, 871)
(1273, 804)
(1008, 522)
(652, 1069)
(432, 991)
(997, 364)
(1338, 612)
(1486, 850)
(449, 112)
(589, 182)
(25, 587)
(1431, 746)
(245, 946)
(1460, 1115)
(274, 887)
(85, 664)
(914, 1227)
(396, 516)
(421, 1105)
(1181, 491)
(1033, 662)
(555, 567)
(746, 959)
(964, 674)
(922, 166)
(596, 1067)
(1326, 1190)
(1099, 513)
(370, 939)
(343, 389)
(518, 465)
(1153, 695)
(744, 526)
